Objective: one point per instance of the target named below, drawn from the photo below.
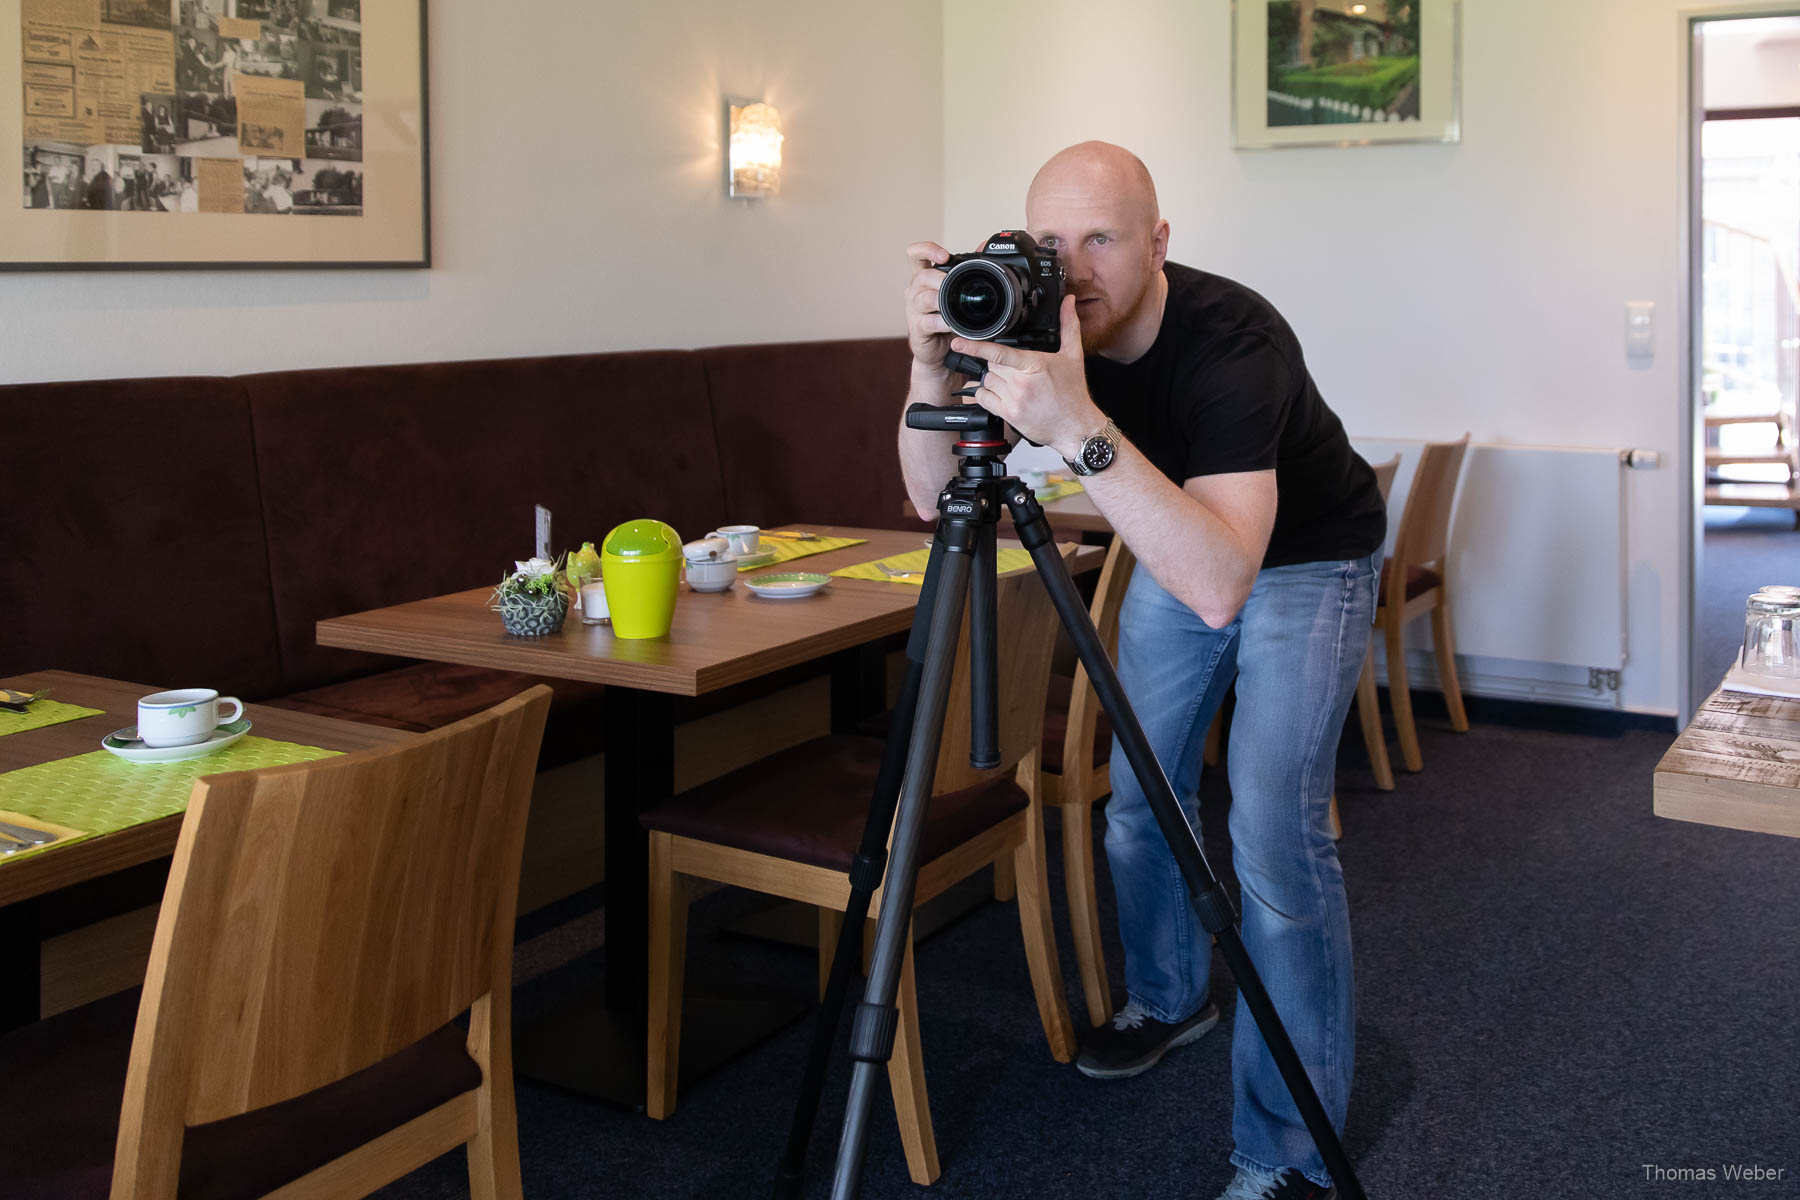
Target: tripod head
(981, 443)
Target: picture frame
(215, 134)
(1345, 72)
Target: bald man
(1258, 533)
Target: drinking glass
(1772, 635)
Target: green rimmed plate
(126, 745)
(787, 585)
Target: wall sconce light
(754, 160)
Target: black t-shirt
(1224, 389)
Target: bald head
(1095, 205)
(1094, 171)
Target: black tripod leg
(865, 876)
(984, 655)
(1210, 901)
(872, 1037)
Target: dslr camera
(1008, 292)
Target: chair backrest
(1084, 702)
(1384, 475)
(1026, 623)
(322, 917)
(1425, 525)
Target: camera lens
(980, 299)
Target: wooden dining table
(1736, 765)
(26, 879)
(717, 641)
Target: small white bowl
(712, 576)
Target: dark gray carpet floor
(1556, 990)
(1745, 549)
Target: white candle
(593, 604)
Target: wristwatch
(1097, 452)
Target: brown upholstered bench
(234, 513)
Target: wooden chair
(323, 926)
(1368, 704)
(1416, 580)
(789, 826)
(1076, 774)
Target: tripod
(962, 564)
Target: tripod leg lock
(872, 1036)
(866, 869)
(1214, 908)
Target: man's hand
(926, 332)
(1043, 396)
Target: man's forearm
(1190, 550)
(925, 457)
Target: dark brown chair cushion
(387, 484)
(146, 489)
(1419, 580)
(808, 804)
(806, 430)
(64, 1081)
(430, 695)
(1056, 726)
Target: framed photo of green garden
(1346, 72)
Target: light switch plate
(1640, 329)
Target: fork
(18, 701)
(894, 572)
(791, 535)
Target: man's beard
(1099, 331)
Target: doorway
(1744, 308)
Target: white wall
(1753, 64)
(1437, 289)
(578, 203)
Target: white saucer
(761, 558)
(125, 744)
(788, 586)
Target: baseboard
(1546, 696)
(1508, 679)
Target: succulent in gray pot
(534, 599)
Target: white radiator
(1537, 563)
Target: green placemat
(42, 713)
(1067, 487)
(102, 793)
(916, 560)
(788, 549)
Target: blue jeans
(1296, 651)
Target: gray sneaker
(1284, 1185)
(1134, 1041)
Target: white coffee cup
(745, 539)
(183, 718)
(593, 603)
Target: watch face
(1097, 454)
